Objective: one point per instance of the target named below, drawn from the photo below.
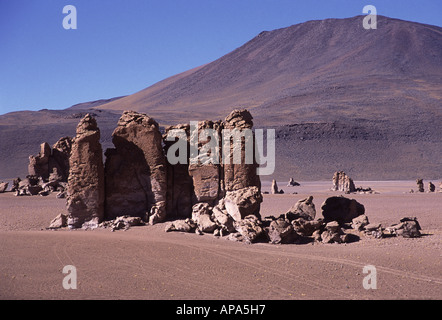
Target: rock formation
(85, 201)
(420, 185)
(136, 181)
(342, 182)
(49, 160)
(431, 187)
(274, 187)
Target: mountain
(339, 97)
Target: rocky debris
(360, 222)
(15, 184)
(3, 187)
(243, 202)
(201, 215)
(60, 221)
(431, 187)
(420, 185)
(293, 183)
(302, 209)
(341, 209)
(281, 231)
(249, 230)
(407, 228)
(342, 182)
(374, 230)
(222, 217)
(85, 201)
(122, 223)
(186, 225)
(136, 181)
(307, 228)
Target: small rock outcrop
(85, 201)
(3, 186)
(431, 187)
(293, 183)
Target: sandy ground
(148, 263)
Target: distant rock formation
(3, 186)
(431, 187)
(293, 183)
(342, 182)
(85, 201)
(49, 159)
(420, 185)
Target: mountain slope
(340, 97)
(313, 71)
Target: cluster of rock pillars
(136, 185)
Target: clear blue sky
(123, 46)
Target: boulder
(281, 231)
(292, 183)
(407, 228)
(186, 225)
(360, 222)
(250, 229)
(201, 215)
(222, 218)
(341, 209)
(58, 222)
(342, 182)
(136, 181)
(243, 202)
(306, 228)
(302, 209)
(85, 201)
(3, 186)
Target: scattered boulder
(201, 215)
(222, 218)
(186, 225)
(243, 202)
(304, 208)
(248, 229)
(59, 221)
(3, 186)
(85, 202)
(341, 209)
(407, 228)
(293, 183)
(281, 231)
(360, 222)
(342, 182)
(307, 228)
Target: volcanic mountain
(340, 98)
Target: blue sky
(121, 47)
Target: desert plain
(145, 262)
